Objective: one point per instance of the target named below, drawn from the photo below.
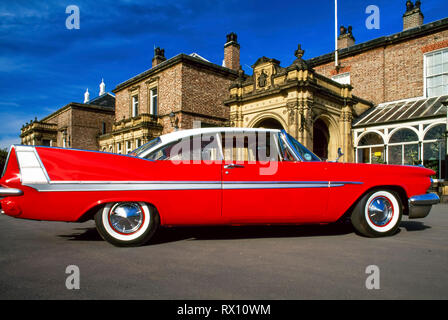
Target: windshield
(302, 152)
(137, 152)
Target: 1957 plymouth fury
(209, 176)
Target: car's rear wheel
(126, 224)
(378, 213)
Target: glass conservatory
(408, 132)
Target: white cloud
(6, 142)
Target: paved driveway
(293, 262)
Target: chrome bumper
(10, 192)
(419, 206)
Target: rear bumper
(420, 205)
(10, 192)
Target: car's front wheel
(126, 224)
(378, 213)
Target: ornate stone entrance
(312, 108)
(269, 123)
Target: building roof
(180, 58)
(105, 100)
(405, 35)
(403, 111)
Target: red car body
(77, 183)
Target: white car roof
(176, 135)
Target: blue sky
(44, 65)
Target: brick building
(76, 125)
(406, 76)
(171, 95)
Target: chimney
(413, 17)
(345, 38)
(159, 56)
(232, 52)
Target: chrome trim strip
(10, 192)
(142, 186)
(66, 186)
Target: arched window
(434, 149)
(371, 138)
(403, 147)
(404, 135)
(370, 148)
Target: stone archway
(321, 139)
(269, 123)
(328, 138)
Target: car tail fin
(32, 170)
(25, 161)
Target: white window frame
(153, 109)
(425, 66)
(134, 103)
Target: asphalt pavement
(262, 262)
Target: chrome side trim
(66, 186)
(10, 192)
(124, 186)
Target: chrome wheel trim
(126, 218)
(123, 236)
(389, 222)
(380, 211)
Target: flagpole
(336, 63)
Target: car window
(250, 146)
(303, 152)
(203, 147)
(151, 144)
(286, 153)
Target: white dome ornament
(86, 96)
(102, 87)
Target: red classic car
(209, 176)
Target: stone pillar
(345, 129)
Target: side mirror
(340, 154)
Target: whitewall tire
(126, 223)
(378, 213)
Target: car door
(271, 189)
(191, 168)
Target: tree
(3, 156)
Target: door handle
(232, 166)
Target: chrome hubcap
(126, 218)
(380, 211)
